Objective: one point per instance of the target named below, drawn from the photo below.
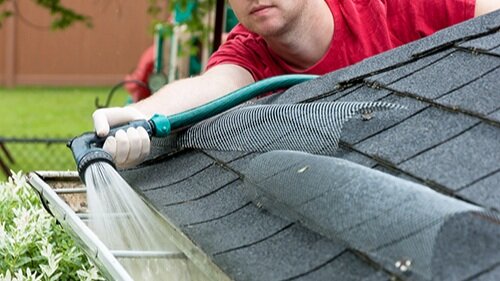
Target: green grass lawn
(47, 113)
(42, 112)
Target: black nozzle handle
(87, 148)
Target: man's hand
(127, 148)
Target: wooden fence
(32, 54)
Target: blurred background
(32, 52)
(60, 60)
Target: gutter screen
(408, 228)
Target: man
(287, 36)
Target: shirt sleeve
(248, 50)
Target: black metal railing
(34, 154)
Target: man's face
(267, 17)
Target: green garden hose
(87, 148)
(164, 124)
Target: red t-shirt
(362, 28)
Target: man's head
(269, 17)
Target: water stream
(123, 221)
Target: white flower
(18, 178)
(3, 236)
(53, 260)
(90, 275)
(6, 277)
(20, 276)
(22, 219)
(46, 249)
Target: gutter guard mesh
(310, 127)
(408, 228)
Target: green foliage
(4, 15)
(63, 17)
(195, 23)
(32, 245)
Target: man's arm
(176, 97)
(486, 6)
(191, 92)
(131, 147)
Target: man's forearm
(192, 92)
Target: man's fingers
(122, 147)
(110, 147)
(105, 118)
(127, 148)
(146, 143)
(135, 145)
(139, 147)
(101, 123)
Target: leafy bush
(32, 245)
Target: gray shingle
(493, 275)
(422, 131)
(225, 156)
(241, 164)
(221, 203)
(484, 192)
(330, 82)
(244, 227)
(495, 51)
(481, 96)
(462, 30)
(460, 161)
(201, 184)
(483, 43)
(359, 93)
(347, 267)
(456, 70)
(364, 94)
(495, 115)
(345, 92)
(354, 156)
(358, 129)
(289, 253)
(397, 173)
(162, 173)
(387, 170)
(307, 90)
(388, 77)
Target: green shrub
(32, 245)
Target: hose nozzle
(87, 148)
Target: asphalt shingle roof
(448, 139)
